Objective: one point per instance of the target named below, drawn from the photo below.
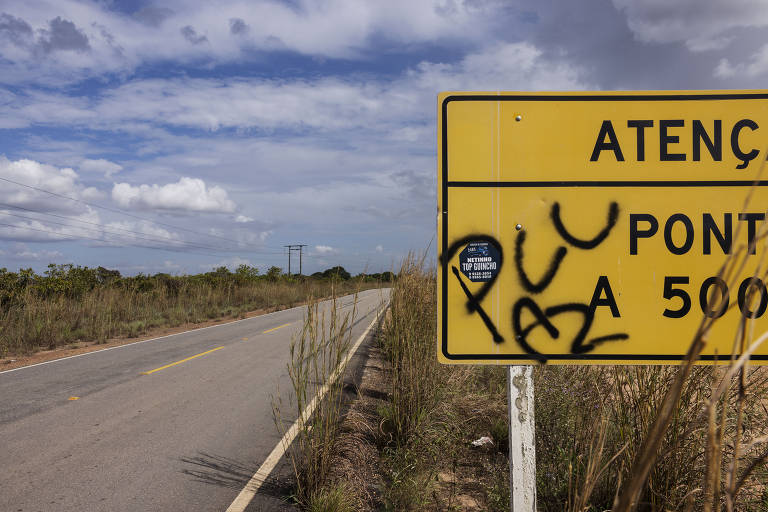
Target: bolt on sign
(592, 227)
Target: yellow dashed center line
(74, 398)
(182, 361)
(276, 328)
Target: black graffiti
(546, 279)
(609, 337)
(458, 244)
(542, 317)
(613, 217)
(471, 299)
(578, 344)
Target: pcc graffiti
(602, 296)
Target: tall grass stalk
(408, 343)
(590, 418)
(317, 361)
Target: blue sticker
(479, 261)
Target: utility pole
(289, 258)
(291, 248)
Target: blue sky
(180, 136)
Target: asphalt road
(183, 437)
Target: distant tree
(274, 273)
(105, 275)
(246, 272)
(337, 272)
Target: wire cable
(72, 237)
(115, 210)
(190, 244)
(111, 229)
(4, 205)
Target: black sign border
(463, 184)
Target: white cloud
(35, 175)
(701, 24)
(263, 104)
(347, 152)
(66, 40)
(28, 226)
(188, 194)
(100, 166)
(756, 65)
(29, 229)
(354, 152)
(327, 104)
(92, 194)
(251, 237)
(30, 215)
(325, 249)
(143, 233)
(21, 251)
(501, 67)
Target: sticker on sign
(593, 227)
(479, 261)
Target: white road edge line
(155, 339)
(252, 487)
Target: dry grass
(317, 360)
(433, 412)
(681, 437)
(587, 415)
(408, 343)
(592, 427)
(619, 438)
(34, 318)
(356, 456)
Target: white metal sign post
(522, 446)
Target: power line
(80, 237)
(157, 238)
(190, 244)
(115, 210)
(65, 217)
(165, 240)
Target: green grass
(334, 498)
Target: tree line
(73, 281)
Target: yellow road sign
(592, 227)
